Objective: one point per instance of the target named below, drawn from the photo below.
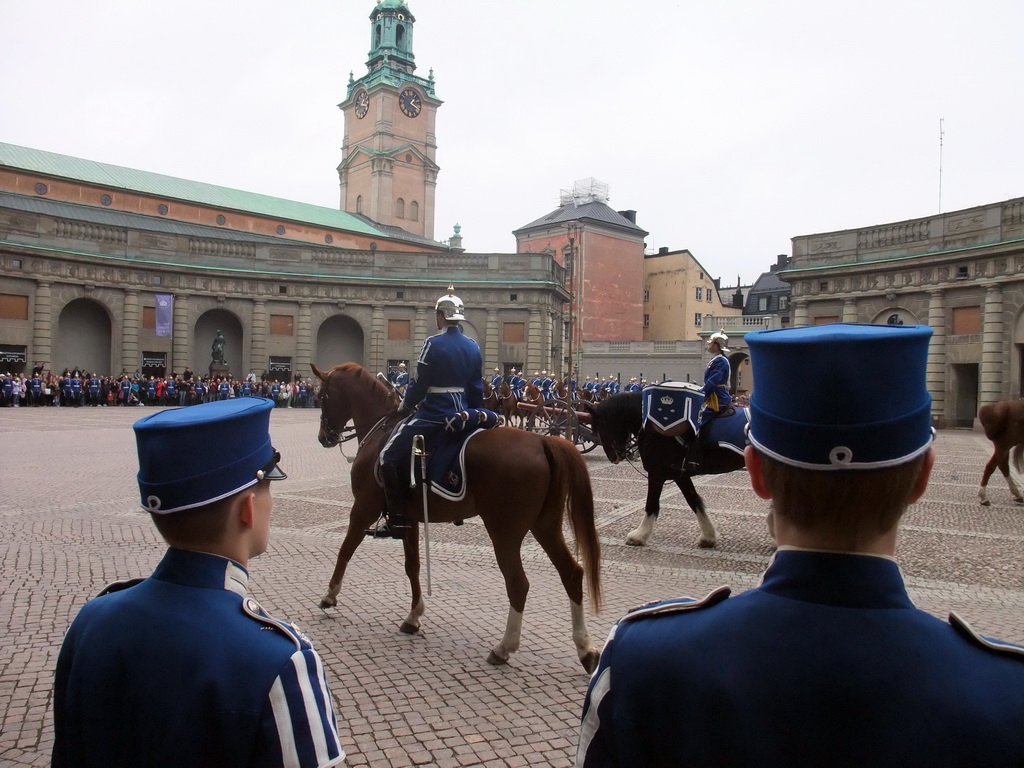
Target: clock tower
(388, 170)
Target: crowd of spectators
(74, 388)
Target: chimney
(663, 250)
(630, 215)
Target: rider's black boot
(397, 524)
(691, 463)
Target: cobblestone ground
(69, 524)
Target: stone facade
(961, 272)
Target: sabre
(419, 448)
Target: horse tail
(1017, 456)
(571, 484)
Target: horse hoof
(985, 503)
(495, 659)
(707, 544)
(631, 542)
(325, 604)
(408, 629)
(590, 661)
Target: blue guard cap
(193, 456)
(840, 396)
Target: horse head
(616, 420)
(348, 392)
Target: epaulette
(255, 611)
(117, 586)
(677, 605)
(997, 646)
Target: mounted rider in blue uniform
(448, 380)
(717, 398)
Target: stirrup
(385, 530)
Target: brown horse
(533, 398)
(1003, 423)
(491, 401)
(518, 482)
(507, 405)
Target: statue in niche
(217, 352)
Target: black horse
(618, 422)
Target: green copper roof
(117, 177)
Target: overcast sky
(730, 126)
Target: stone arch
(206, 327)
(741, 375)
(895, 316)
(84, 337)
(339, 339)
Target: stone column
(419, 335)
(130, 332)
(936, 370)
(303, 342)
(42, 327)
(377, 335)
(181, 336)
(492, 342)
(800, 314)
(259, 363)
(534, 343)
(850, 311)
(991, 385)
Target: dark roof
(769, 281)
(599, 212)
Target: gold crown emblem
(667, 400)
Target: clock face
(362, 104)
(410, 102)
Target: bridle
(347, 433)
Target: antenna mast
(941, 134)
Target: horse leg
(1004, 467)
(411, 544)
(571, 573)
(510, 563)
(999, 459)
(708, 534)
(639, 536)
(360, 518)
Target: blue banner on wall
(164, 313)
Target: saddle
(446, 450)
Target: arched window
(359, 203)
(400, 208)
(414, 211)
(401, 37)
(376, 37)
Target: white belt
(444, 390)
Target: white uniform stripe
(312, 708)
(588, 729)
(332, 721)
(282, 716)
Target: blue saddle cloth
(446, 452)
(729, 432)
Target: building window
(148, 318)
(647, 321)
(13, 307)
(700, 293)
(414, 211)
(711, 293)
(399, 294)
(823, 286)
(106, 199)
(966, 320)
(220, 219)
(783, 303)
(158, 279)
(15, 263)
(41, 188)
(162, 209)
(282, 289)
(513, 297)
(513, 333)
(328, 239)
(282, 325)
(647, 295)
(359, 203)
(399, 330)
(399, 208)
(762, 303)
(280, 229)
(962, 272)
(697, 319)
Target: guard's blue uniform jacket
(827, 662)
(716, 388)
(448, 380)
(153, 675)
(402, 382)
